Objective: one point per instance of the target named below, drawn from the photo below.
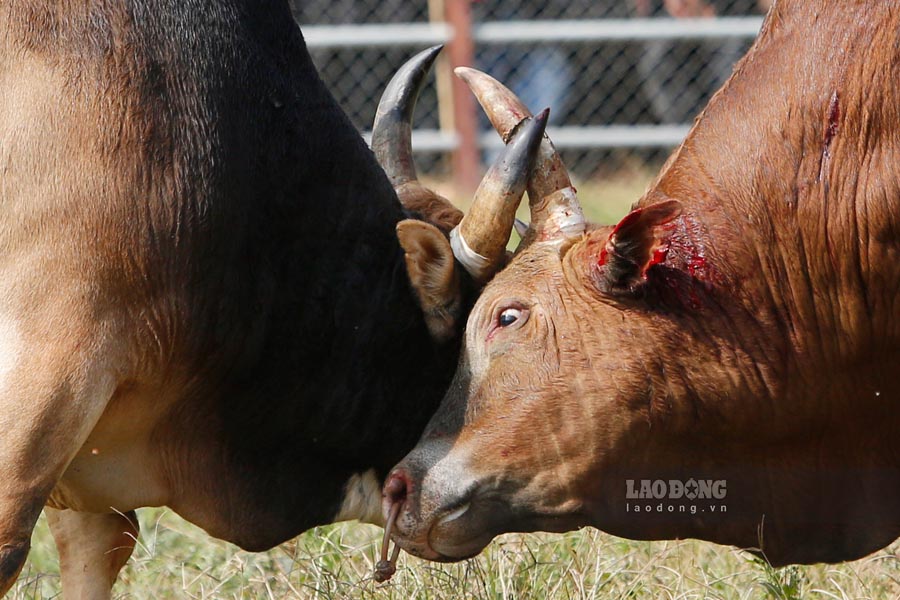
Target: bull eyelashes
(638, 242)
(509, 316)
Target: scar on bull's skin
(831, 128)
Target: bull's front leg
(54, 386)
(16, 536)
(93, 548)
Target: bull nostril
(397, 487)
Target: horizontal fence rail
(609, 136)
(374, 35)
(611, 30)
(414, 35)
(384, 35)
(624, 79)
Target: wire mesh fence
(623, 78)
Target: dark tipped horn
(479, 241)
(555, 211)
(392, 132)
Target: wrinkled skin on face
(740, 326)
(497, 370)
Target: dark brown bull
(204, 303)
(730, 349)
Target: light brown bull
(730, 349)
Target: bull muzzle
(440, 514)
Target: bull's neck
(334, 373)
(788, 176)
(800, 311)
(347, 358)
(310, 354)
(784, 384)
(780, 382)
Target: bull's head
(553, 378)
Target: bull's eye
(508, 317)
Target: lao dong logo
(675, 496)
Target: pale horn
(555, 211)
(479, 241)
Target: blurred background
(624, 78)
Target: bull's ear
(638, 242)
(432, 273)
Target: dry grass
(176, 560)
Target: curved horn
(392, 132)
(392, 142)
(555, 211)
(479, 241)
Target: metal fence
(623, 78)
